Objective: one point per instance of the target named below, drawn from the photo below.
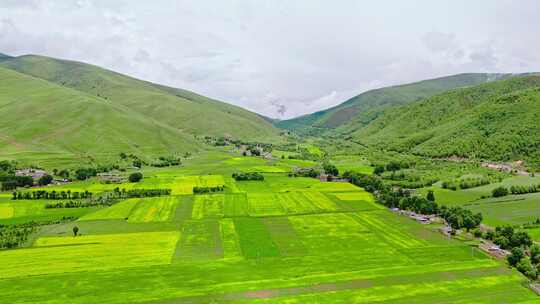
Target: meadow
(507, 210)
(281, 240)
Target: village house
(110, 177)
(36, 174)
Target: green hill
(180, 109)
(496, 121)
(51, 106)
(360, 110)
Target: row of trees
(524, 254)
(12, 236)
(456, 217)
(11, 182)
(390, 166)
(144, 192)
(311, 172)
(524, 189)
(465, 183)
(202, 190)
(503, 191)
(76, 204)
(50, 195)
(250, 176)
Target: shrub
(499, 192)
(251, 176)
(135, 177)
(45, 180)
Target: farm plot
(21, 211)
(512, 209)
(219, 205)
(185, 184)
(255, 239)
(284, 236)
(355, 201)
(119, 210)
(231, 243)
(334, 187)
(89, 253)
(6, 211)
(208, 206)
(200, 240)
(156, 209)
(329, 233)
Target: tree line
(51, 195)
(250, 176)
(456, 217)
(203, 190)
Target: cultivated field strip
(199, 240)
(156, 209)
(89, 253)
(120, 210)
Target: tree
(330, 169)
(516, 255)
(137, 163)
(378, 170)
(64, 173)
(524, 266)
(135, 177)
(535, 254)
(123, 155)
(520, 238)
(45, 180)
(393, 166)
(75, 230)
(430, 196)
(499, 191)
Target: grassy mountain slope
(178, 109)
(497, 120)
(41, 117)
(360, 110)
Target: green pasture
(281, 240)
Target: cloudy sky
(279, 58)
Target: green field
(281, 240)
(508, 210)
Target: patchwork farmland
(283, 239)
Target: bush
(251, 176)
(499, 192)
(135, 177)
(45, 180)
(202, 190)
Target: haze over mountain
(281, 59)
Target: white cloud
(279, 58)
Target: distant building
(36, 174)
(110, 177)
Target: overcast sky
(279, 58)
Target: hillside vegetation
(496, 121)
(362, 109)
(71, 107)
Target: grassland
(508, 210)
(93, 114)
(284, 239)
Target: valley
(118, 190)
(284, 238)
